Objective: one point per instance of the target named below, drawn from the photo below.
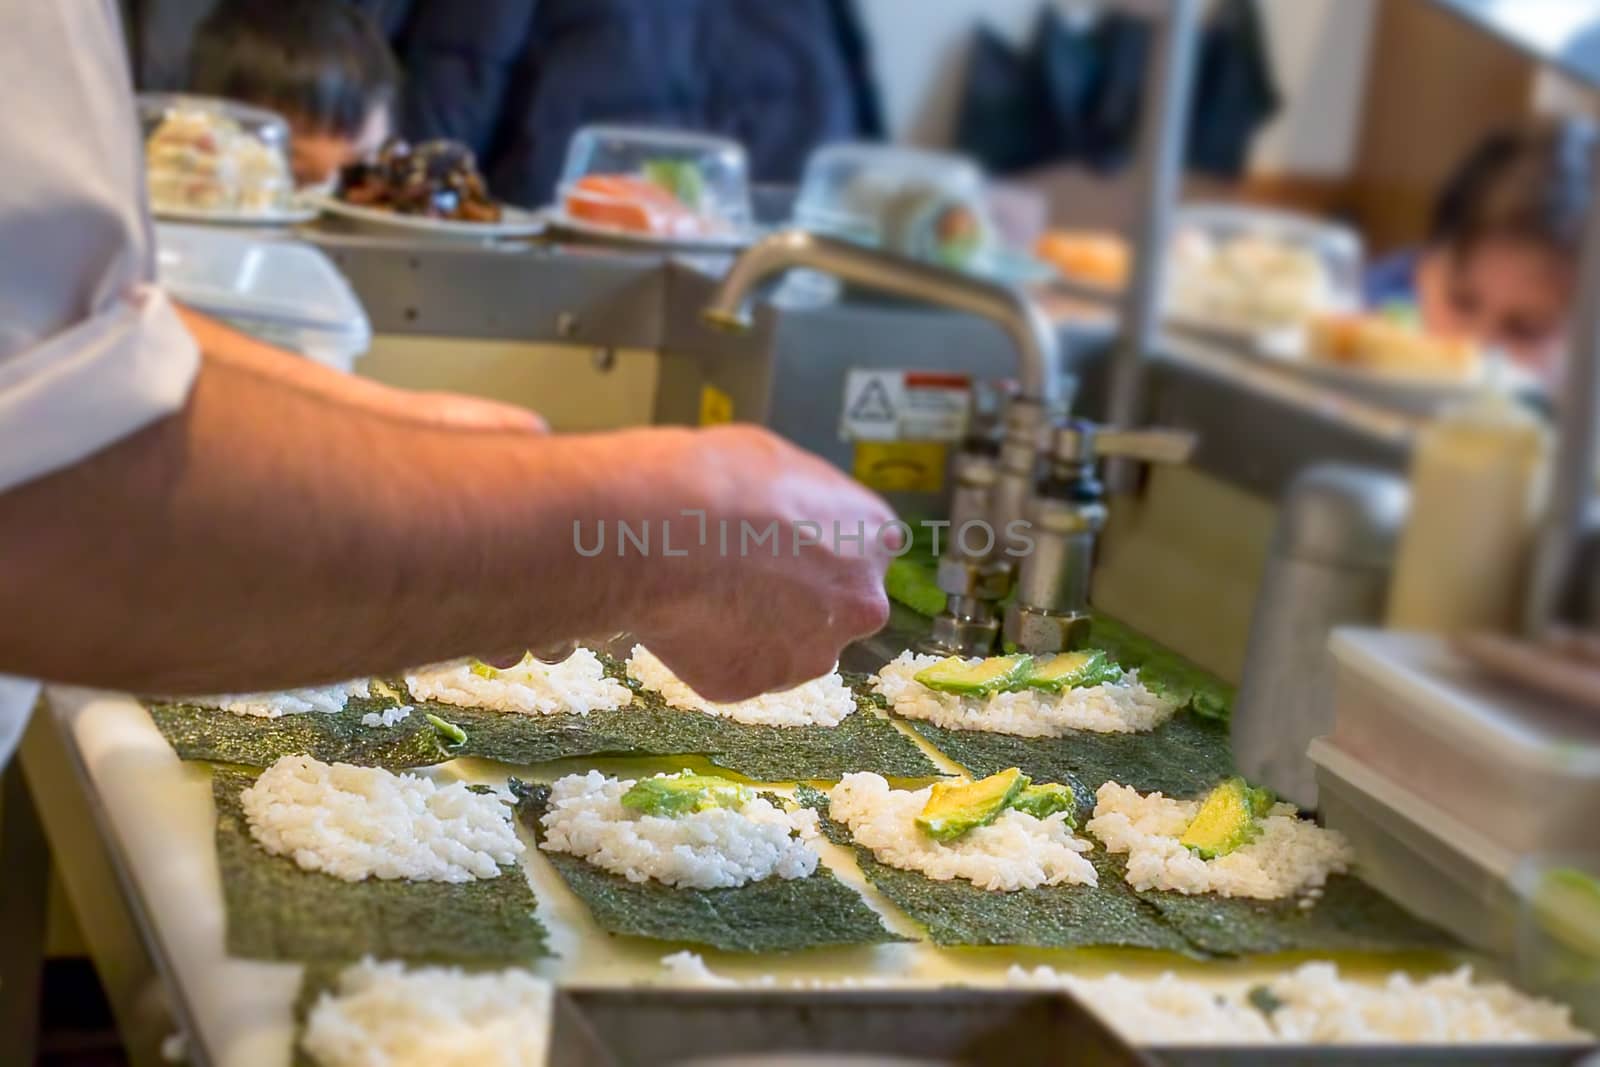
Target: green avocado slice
(684, 794)
(957, 808)
(956, 675)
(1043, 800)
(1073, 670)
(1229, 819)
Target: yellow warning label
(716, 407)
(900, 466)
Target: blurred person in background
(1500, 264)
(515, 79)
(321, 64)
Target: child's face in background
(1508, 293)
(316, 153)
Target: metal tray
(624, 1028)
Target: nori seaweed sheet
(1350, 916)
(276, 911)
(864, 741)
(1202, 693)
(1184, 756)
(958, 913)
(773, 915)
(198, 733)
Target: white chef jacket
(90, 349)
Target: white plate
(290, 216)
(514, 221)
(561, 222)
(1419, 393)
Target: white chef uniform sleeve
(90, 348)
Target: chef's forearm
(289, 527)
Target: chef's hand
(759, 615)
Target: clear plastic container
(667, 184)
(1255, 271)
(1435, 865)
(926, 205)
(1558, 930)
(283, 292)
(207, 156)
(1524, 772)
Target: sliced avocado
(448, 730)
(956, 808)
(1073, 670)
(680, 177)
(1045, 799)
(1229, 819)
(956, 675)
(684, 794)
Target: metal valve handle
(1154, 445)
(1080, 442)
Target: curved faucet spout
(1038, 353)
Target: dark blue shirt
(1391, 280)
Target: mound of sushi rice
(382, 1015)
(1125, 706)
(1310, 1005)
(719, 848)
(323, 700)
(356, 823)
(1314, 1005)
(824, 701)
(1288, 856)
(1015, 851)
(577, 685)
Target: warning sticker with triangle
(903, 405)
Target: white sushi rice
(387, 717)
(323, 700)
(1291, 856)
(715, 849)
(578, 685)
(364, 822)
(1318, 1007)
(824, 701)
(1121, 707)
(1166, 1009)
(382, 1015)
(1016, 851)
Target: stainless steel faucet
(992, 489)
(1066, 516)
(1038, 357)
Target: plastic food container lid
(1442, 830)
(208, 154)
(708, 175)
(1255, 268)
(847, 189)
(1443, 695)
(283, 291)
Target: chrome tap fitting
(1066, 514)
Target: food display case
(654, 186)
(212, 160)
